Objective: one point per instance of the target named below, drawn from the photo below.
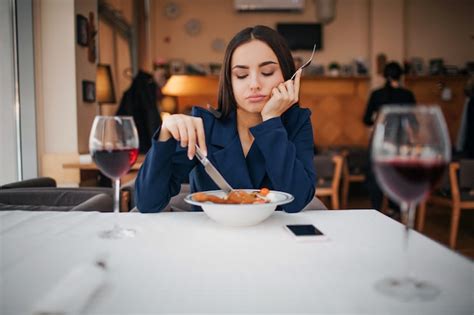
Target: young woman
(258, 137)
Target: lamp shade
(190, 85)
(104, 85)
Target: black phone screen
(304, 230)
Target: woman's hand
(188, 130)
(283, 96)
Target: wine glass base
(407, 289)
(118, 233)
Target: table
(184, 262)
(88, 171)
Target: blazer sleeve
(166, 166)
(288, 163)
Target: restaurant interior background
(51, 50)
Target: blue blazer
(280, 158)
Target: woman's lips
(256, 98)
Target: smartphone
(305, 232)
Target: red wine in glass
(409, 179)
(113, 144)
(115, 163)
(410, 152)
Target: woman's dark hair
(226, 99)
(392, 71)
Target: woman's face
(255, 72)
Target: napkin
(73, 292)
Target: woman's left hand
(283, 96)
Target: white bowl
(241, 214)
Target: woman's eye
(267, 74)
(242, 76)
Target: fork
(307, 63)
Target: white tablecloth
(184, 262)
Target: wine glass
(410, 151)
(113, 144)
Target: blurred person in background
(465, 141)
(392, 93)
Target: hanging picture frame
(88, 91)
(82, 30)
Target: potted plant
(334, 69)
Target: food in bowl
(239, 214)
(235, 197)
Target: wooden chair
(353, 170)
(329, 171)
(460, 196)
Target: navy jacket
(280, 158)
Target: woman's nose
(254, 82)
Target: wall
(440, 28)
(85, 70)
(56, 87)
(400, 28)
(8, 135)
(114, 50)
(63, 119)
(386, 34)
(344, 39)
(58, 72)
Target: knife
(213, 172)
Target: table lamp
(104, 85)
(189, 87)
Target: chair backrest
(57, 199)
(324, 166)
(185, 188)
(177, 203)
(315, 204)
(101, 202)
(328, 168)
(130, 188)
(466, 174)
(357, 160)
(445, 185)
(34, 182)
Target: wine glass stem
(408, 209)
(116, 196)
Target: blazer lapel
(226, 153)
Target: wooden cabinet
(338, 104)
(428, 89)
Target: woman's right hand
(188, 130)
